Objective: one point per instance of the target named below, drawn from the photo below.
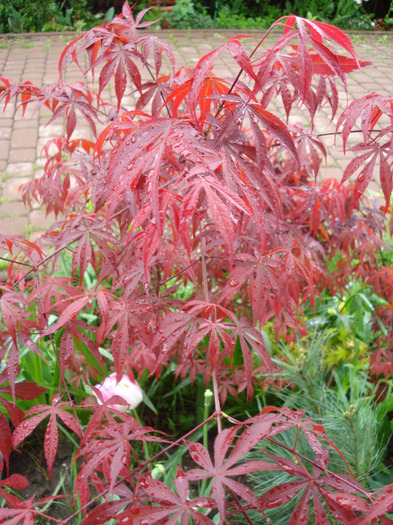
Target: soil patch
(29, 461)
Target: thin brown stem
(337, 476)
(243, 511)
(217, 403)
(159, 87)
(13, 261)
(140, 467)
(37, 284)
(204, 271)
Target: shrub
(193, 218)
(21, 16)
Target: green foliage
(345, 402)
(21, 16)
(342, 13)
(315, 9)
(226, 19)
(184, 16)
(342, 400)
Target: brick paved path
(35, 58)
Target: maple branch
(45, 259)
(217, 404)
(139, 467)
(242, 510)
(54, 493)
(11, 261)
(330, 133)
(36, 512)
(78, 237)
(204, 271)
(312, 462)
(37, 283)
(241, 70)
(159, 87)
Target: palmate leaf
(118, 48)
(315, 53)
(319, 481)
(21, 512)
(112, 447)
(383, 504)
(13, 308)
(211, 86)
(200, 319)
(168, 505)
(376, 146)
(365, 162)
(220, 202)
(130, 324)
(346, 64)
(61, 99)
(343, 504)
(368, 109)
(274, 126)
(283, 492)
(24, 390)
(267, 277)
(222, 470)
(200, 87)
(69, 313)
(35, 415)
(109, 509)
(251, 340)
(144, 155)
(320, 31)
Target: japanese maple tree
(201, 215)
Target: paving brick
(13, 209)
(21, 139)
(22, 155)
(40, 221)
(9, 111)
(51, 130)
(28, 114)
(19, 169)
(11, 188)
(50, 78)
(4, 149)
(26, 123)
(13, 226)
(5, 133)
(40, 63)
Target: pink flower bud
(129, 390)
